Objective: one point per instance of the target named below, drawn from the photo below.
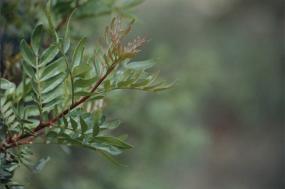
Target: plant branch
(11, 142)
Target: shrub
(60, 93)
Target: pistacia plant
(59, 98)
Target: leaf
(110, 125)
(95, 96)
(140, 65)
(85, 82)
(6, 107)
(95, 130)
(73, 124)
(48, 14)
(107, 148)
(113, 141)
(110, 158)
(27, 53)
(53, 69)
(65, 122)
(81, 69)
(52, 83)
(9, 113)
(66, 40)
(84, 126)
(50, 105)
(107, 85)
(28, 70)
(78, 52)
(6, 84)
(10, 119)
(36, 38)
(123, 137)
(50, 96)
(83, 93)
(48, 55)
(31, 110)
(158, 87)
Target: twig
(27, 138)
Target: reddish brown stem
(27, 138)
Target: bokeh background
(221, 126)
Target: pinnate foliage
(62, 91)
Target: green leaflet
(110, 125)
(51, 95)
(28, 70)
(53, 69)
(113, 141)
(95, 130)
(146, 64)
(6, 86)
(31, 110)
(48, 55)
(83, 125)
(81, 69)
(52, 83)
(81, 83)
(110, 158)
(36, 38)
(28, 54)
(73, 124)
(78, 53)
(47, 107)
(66, 39)
(109, 149)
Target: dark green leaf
(84, 126)
(73, 124)
(65, 122)
(110, 158)
(95, 129)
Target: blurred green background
(221, 126)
